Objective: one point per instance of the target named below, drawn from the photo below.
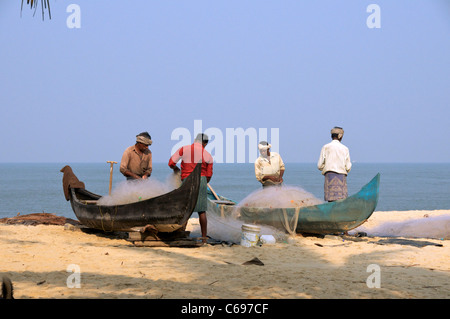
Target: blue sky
(81, 95)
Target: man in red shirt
(190, 155)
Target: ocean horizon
(37, 187)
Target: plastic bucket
(250, 235)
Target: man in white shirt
(269, 167)
(334, 162)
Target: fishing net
(127, 192)
(280, 197)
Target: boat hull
(167, 212)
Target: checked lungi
(335, 186)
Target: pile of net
(127, 192)
(38, 219)
(280, 197)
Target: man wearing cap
(190, 155)
(334, 162)
(136, 160)
(269, 166)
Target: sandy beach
(37, 259)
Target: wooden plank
(150, 236)
(223, 202)
(170, 243)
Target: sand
(37, 258)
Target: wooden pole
(212, 191)
(110, 174)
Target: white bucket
(250, 235)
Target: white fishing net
(280, 197)
(127, 192)
(437, 227)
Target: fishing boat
(167, 213)
(326, 218)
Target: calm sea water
(34, 188)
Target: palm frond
(45, 6)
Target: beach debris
(361, 234)
(408, 242)
(334, 245)
(254, 261)
(267, 240)
(7, 291)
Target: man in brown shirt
(136, 161)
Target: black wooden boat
(167, 212)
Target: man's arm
(348, 163)
(148, 171)
(175, 158)
(258, 173)
(321, 162)
(124, 166)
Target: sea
(37, 187)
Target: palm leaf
(45, 6)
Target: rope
(112, 219)
(294, 219)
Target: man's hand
(273, 178)
(175, 169)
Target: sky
(295, 68)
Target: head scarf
(338, 130)
(144, 138)
(263, 147)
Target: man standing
(136, 161)
(269, 167)
(190, 155)
(334, 162)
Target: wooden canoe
(167, 212)
(327, 218)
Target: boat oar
(212, 191)
(110, 174)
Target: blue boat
(327, 218)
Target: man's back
(190, 155)
(334, 157)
